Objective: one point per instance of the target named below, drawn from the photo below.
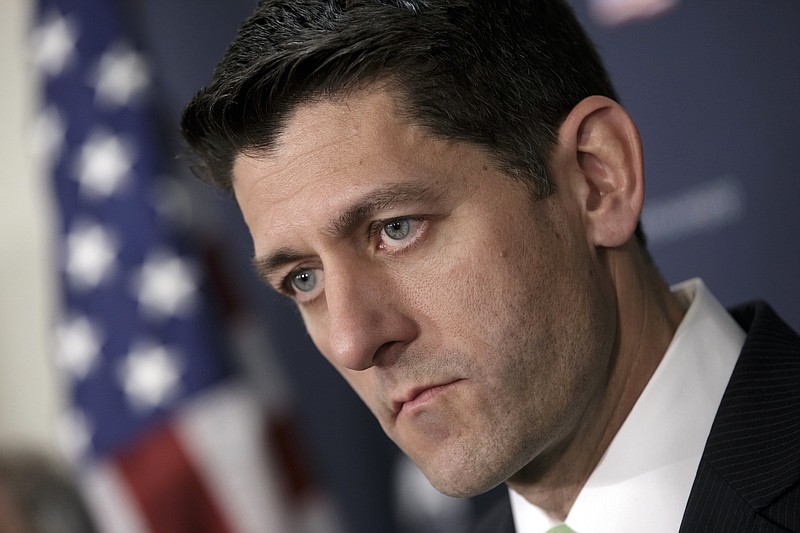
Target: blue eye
(304, 280)
(397, 229)
(304, 285)
(400, 234)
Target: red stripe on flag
(172, 496)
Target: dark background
(714, 87)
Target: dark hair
(502, 74)
(499, 73)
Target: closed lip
(414, 393)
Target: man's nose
(367, 322)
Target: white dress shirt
(643, 481)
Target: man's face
(472, 320)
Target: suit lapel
(750, 469)
(498, 519)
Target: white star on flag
(150, 375)
(53, 43)
(104, 164)
(91, 255)
(79, 341)
(166, 285)
(121, 75)
(47, 135)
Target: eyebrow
(266, 267)
(346, 223)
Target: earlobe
(603, 146)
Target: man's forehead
(334, 202)
(361, 111)
(337, 126)
(349, 142)
(346, 157)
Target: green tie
(563, 528)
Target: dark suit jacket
(749, 475)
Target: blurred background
(139, 355)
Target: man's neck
(648, 315)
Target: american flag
(165, 437)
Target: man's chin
(461, 482)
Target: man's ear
(600, 153)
